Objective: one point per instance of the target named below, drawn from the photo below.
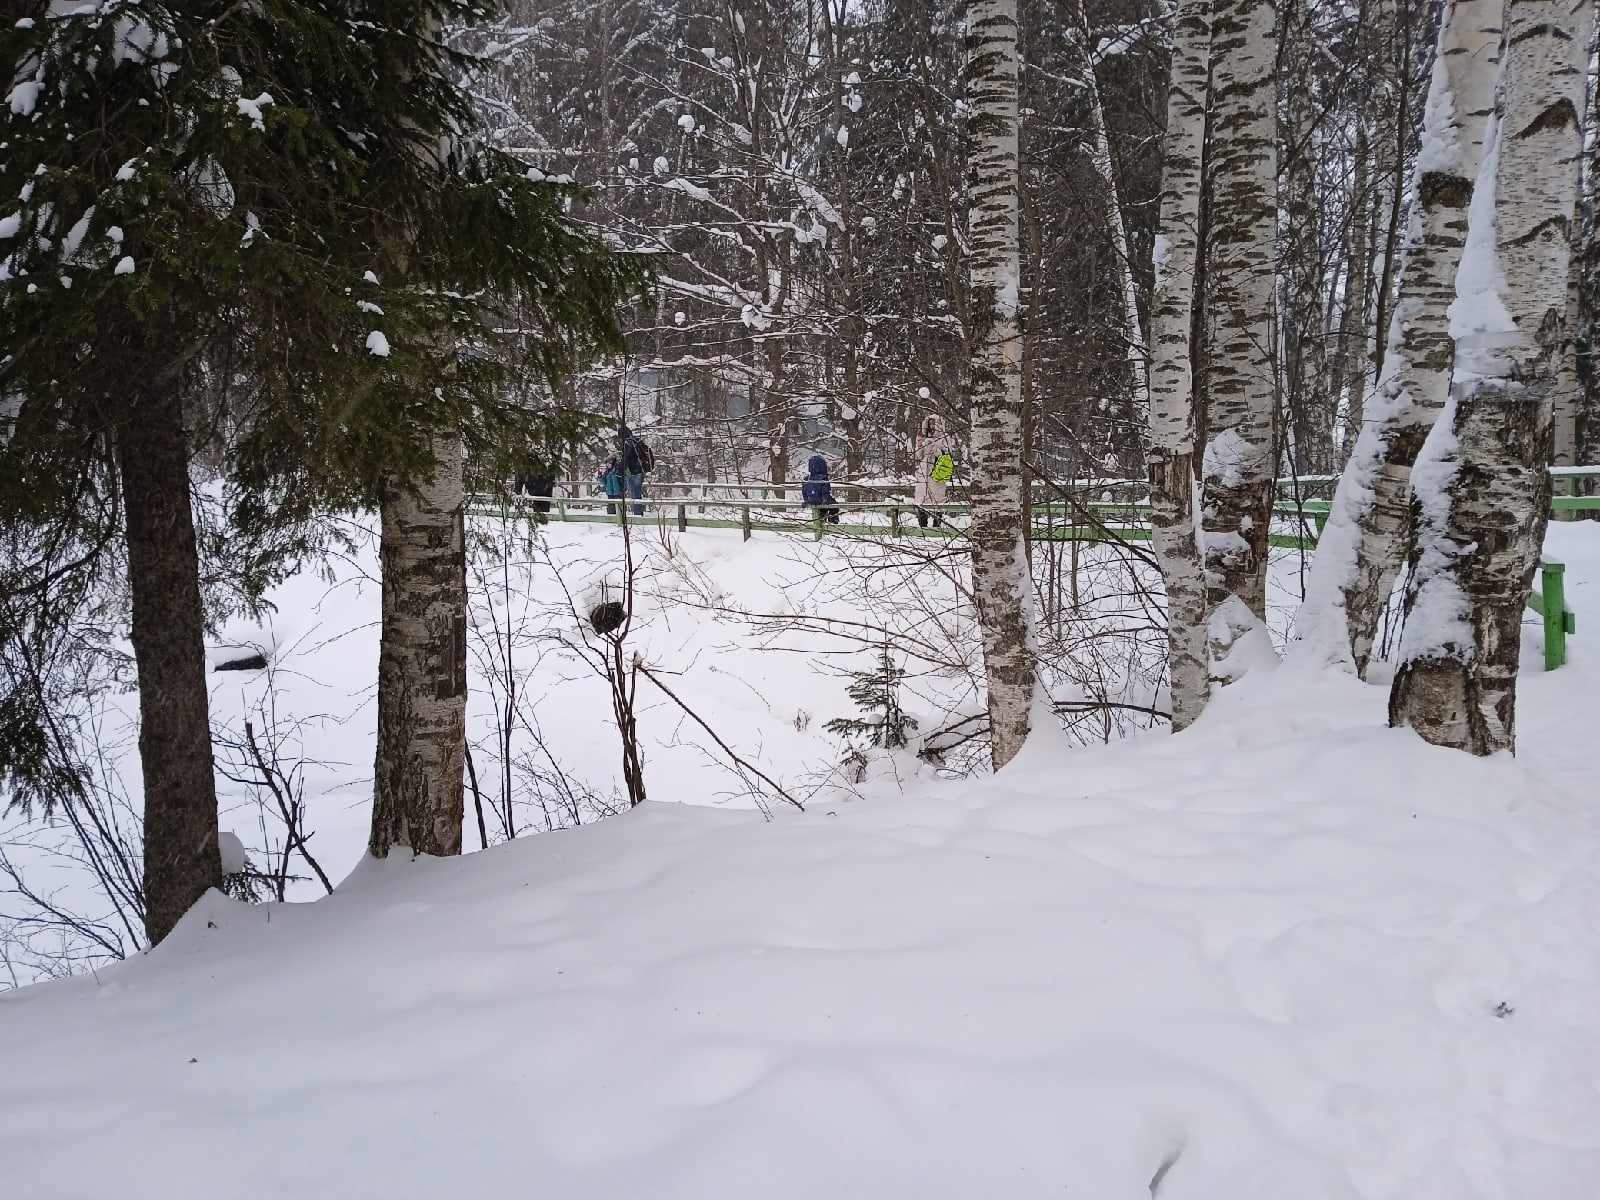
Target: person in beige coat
(931, 443)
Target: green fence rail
(1117, 512)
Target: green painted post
(1553, 585)
(816, 524)
(683, 518)
(744, 520)
(894, 522)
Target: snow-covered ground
(1289, 954)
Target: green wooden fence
(1115, 510)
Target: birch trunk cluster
(1212, 344)
(1481, 479)
(1369, 529)
(1001, 584)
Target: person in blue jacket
(610, 477)
(816, 490)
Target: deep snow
(1288, 953)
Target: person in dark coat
(818, 491)
(632, 467)
(538, 482)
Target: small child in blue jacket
(610, 477)
(818, 491)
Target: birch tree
(1360, 551)
(1481, 480)
(1001, 587)
(1240, 411)
(417, 796)
(1172, 417)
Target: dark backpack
(646, 456)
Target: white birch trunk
(1000, 583)
(1172, 423)
(1238, 466)
(1565, 401)
(422, 663)
(1360, 551)
(1481, 480)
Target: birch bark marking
(422, 662)
(1172, 427)
(1369, 529)
(1000, 585)
(1481, 480)
(1241, 413)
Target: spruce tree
(877, 694)
(273, 215)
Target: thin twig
(727, 749)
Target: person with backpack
(637, 460)
(818, 491)
(936, 464)
(610, 477)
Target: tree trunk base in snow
(1439, 698)
(181, 860)
(1459, 687)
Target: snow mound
(1289, 953)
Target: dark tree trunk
(180, 799)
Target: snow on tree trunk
(181, 859)
(1000, 583)
(1172, 425)
(1481, 479)
(1237, 467)
(1360, 551)
(422, 662)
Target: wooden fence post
(1554, 586)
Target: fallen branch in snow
(743, 764)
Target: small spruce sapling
(877, 694)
